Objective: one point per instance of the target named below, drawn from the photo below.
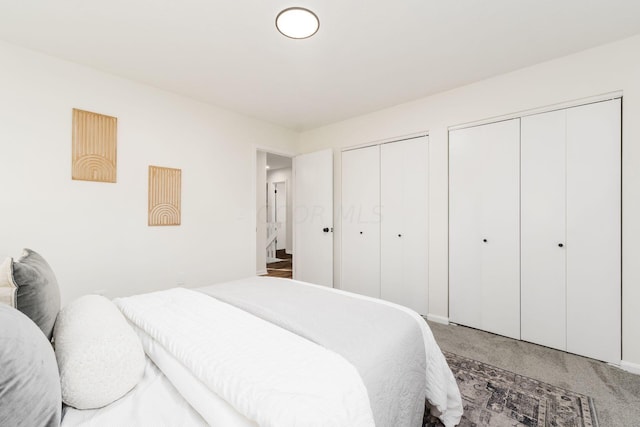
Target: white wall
(601, 70)
(95, 235)
(284, 175)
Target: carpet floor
(615, 393)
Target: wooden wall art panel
(94, 146)
(164, 195)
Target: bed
(277, 352)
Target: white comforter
(267, 374)
(335, 319)
(154, 402)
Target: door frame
(254, 220)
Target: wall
(95, 235)
(284, 175)
(596, 71)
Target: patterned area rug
(494, 397)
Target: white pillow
(99, 355)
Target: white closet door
(484, 227)
(361, 221)
(403, 237)
(593, 230)
(543, 228)
(465, 250)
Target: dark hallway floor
(282, 268)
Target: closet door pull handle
(484, 240)
(560, 245)
(326, 229)
(361, 232)
(399, 235)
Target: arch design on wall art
(94, 143)
(164, 196)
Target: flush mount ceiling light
(297, 23)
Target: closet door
(361, 221)
(593, 230)
(543, 229)
(484, 227)
(403, 236)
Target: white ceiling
(367, 55)
(275, 161)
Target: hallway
(283, 268)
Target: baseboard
(261, 272)
(634, 368)
(438, 319)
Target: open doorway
(274, 239)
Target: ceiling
(367, 55)
(275, 161)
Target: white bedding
(214, 410)
(266, 373)
(154, 402)
(381, 339)
(206, 349)
(442, 389)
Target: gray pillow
(38, 294)
(29, 379)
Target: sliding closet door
(403, 236)
(593, 230)
(543, 229)
(361, 221)
(484, 227)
